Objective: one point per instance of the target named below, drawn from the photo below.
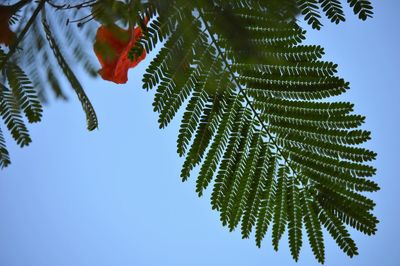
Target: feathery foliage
(258, 121)
(4, 156)
(75, 84)
(311, 9)
(19, 67)
(10, 112)
(24, 93)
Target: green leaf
(338, 232)
(24, 93)
(313, 228)
(280, 210)
(10, 112)
(4, 155)
(91, 117)
(295, 216)
(267, 198)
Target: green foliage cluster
(333, 10)
(36, 63)
(20, 98)
(257, 122)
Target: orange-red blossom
(111, 47)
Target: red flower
(6, 35)
(111, 47)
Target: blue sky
(114, 196)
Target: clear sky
(114, 196)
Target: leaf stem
(248, 101)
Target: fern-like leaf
(309, 8)
(295, 216)
(252, 93)
(313, 228)
(267, 199)
(338, 232)
(91, 117)
(361, 7)
(10, 112)
(4, 155)
(280, 211)
(333, 10)
(24, 93)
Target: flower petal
(112, 47)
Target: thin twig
(77, 6)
